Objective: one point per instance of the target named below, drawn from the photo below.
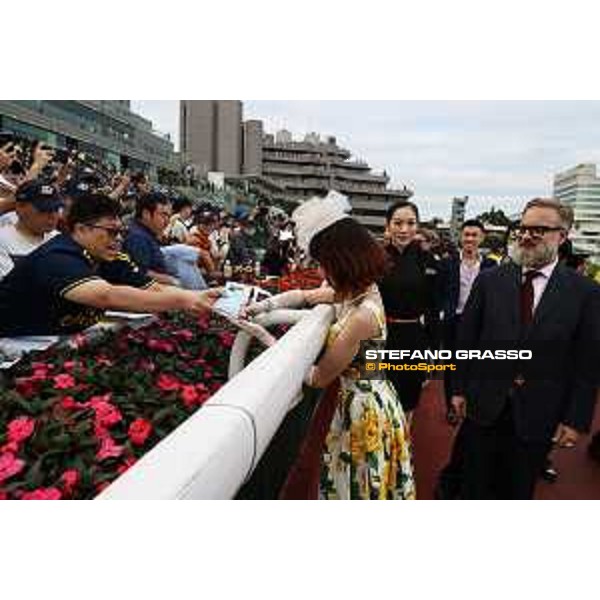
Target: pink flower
(160, 345)
(100, 431)
(227, 338)
(63, 381)
(69, 479)
(68, 403)
(20, 429)
(9, 466)
(102, 486)
(39, 375)
(106, 414)
(26, 386)
(127, 464)
(42, 494)
(108, 449)
(3, 496)
(185, 334)
(189, 395)
(208, 374)
(168, 383)
(139, 431)
(69, 365)
(11, 447)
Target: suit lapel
(513, 287)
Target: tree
(494, 216)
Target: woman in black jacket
(410, 297)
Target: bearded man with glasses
(65, 285)
(514, 416)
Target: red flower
(3, 496)
(26, 386)
(127, 463)
(185, 334)
(102, 486)
(189, 395)
(69, 365)
(139, 431)
(108, 449)
(100, 431)
(168, 383)
(11, 447)
(106, 414)
(40, 375)
(9, 466)
(42, 494)
(20, 429)
(69, 479)
(160, 345)
(68, 403)
(64, 381)
(227, 338)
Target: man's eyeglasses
(113, 232)
(535, 231)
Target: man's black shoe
(549, 473)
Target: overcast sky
(500, 153)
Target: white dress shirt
(468, 274)
(540, 283)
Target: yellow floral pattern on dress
(367, 450)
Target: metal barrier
(215, 451)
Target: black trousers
(450, 481)
(497, 463)
(408, 384)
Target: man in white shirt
(37, 207)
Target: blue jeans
(182, 263)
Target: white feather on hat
(317, 214)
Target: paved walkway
(579, 477)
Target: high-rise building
(579, 188)
(107, 129)
(211, 135)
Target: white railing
(214, 452)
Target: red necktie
(527, 297)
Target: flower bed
(73, 420)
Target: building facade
(211, 135)
(214, 137)
(314, 166)
(107, 129)
(579, 188)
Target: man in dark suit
(513, 418)
(458, 273)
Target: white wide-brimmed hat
(318, 214)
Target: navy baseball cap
(41, 194)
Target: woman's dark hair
(350, 255)
(91, 207)
(389, 214)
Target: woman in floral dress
(366, 453)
